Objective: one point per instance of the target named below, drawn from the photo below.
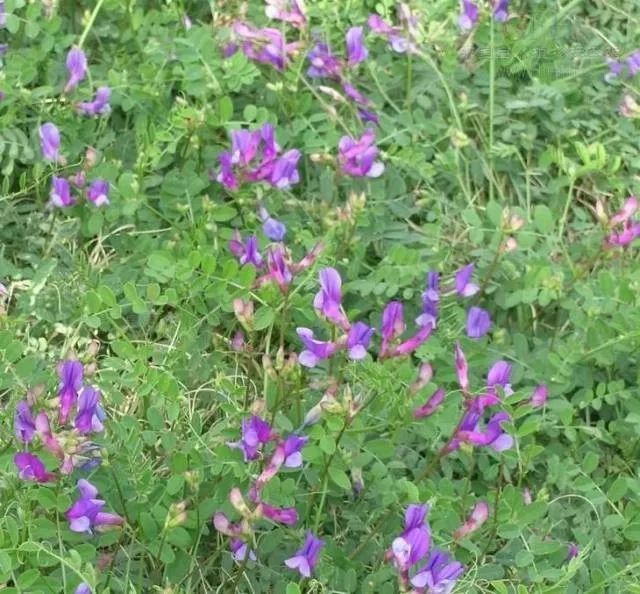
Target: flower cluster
(428, 570)
(279, 264)
(256, 434)
(402, 38)
(629, 66)
(97, 192)
(470, 13)
(254, 157)
(70, 443)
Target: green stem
(89, 24)
(492, 75)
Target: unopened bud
(177, 515)
(280, 358)
(313, 416)
(321, 158)
(526, 496)
(34, 393)
(332, 93)
(90, 157)
(243, 309)
(238, 502)
(237, 342)
(90, 369)
(478, 517)
(94, 348)
(193, 479)
(601, 214)
(78, 180)
(459, 139)
(267, 365)
(510, 244)
(629, 107)
(425, 373)
(357, 480)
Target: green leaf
(340, 478)
(543, 218)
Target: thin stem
(89, 24)
(492, 75)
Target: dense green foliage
(510, 120)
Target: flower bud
(357, 480)
(237, 342)
(332, 93)
(90, 157)
(425, 373)
(509, 245)
(601, 214)
(176, 515)
(243, 309)
(94, 348)
(280, 358)
(238, 502)
(629, 108)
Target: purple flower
(282, 515)
(356, 50)
(540, 396)
(431, 405)
(629, 233)
(24, 423)
(71, 374)
(626, 212)
(49, 440)
(413, 544)
(245, 250)
(255, 433)
(430, 300)
(633, 62)
(469, 15)
(572, 551)
(439, 575)
(60, 194)
(50, 142)
(99, 106)
(616, 68)
(323, 63)
(77, 67)
(493, 436)
(368, 117)
(358, 340)
(86, 514)
(462, 369)
(272, 228)
(292, 449)
(90, 413)
(98, 192)
(463, 284)
(3, 49)
(240, 549)
(500, 375)
(315, 350)
(278, 269)
(328, 301)
(501, 10)
(353, 93)
(3, 14)
(410, 345)
(83, 588)
(478, 322)
(479, 515)
(227, 176)
(392, 325)
(266, 46)
(31, 468)
(284, 173)
(306, 558)
(289, 11)
(357, 157)
(395, 35)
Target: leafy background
(515, 116)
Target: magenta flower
(281, 515)
(629, 233)
(540, 396)
(292, 450)
(500, 375)
(289, 11)
(479, 515)
(90, 413)
(272, 228)
(462, 369)
(463, 284)
(328, 301)
(227, 177)
(493, 436)
(358, 340)
(356, 50)
(439, 575)
(478, 322)
(77, 67)
(246, 251)
(353, 93)
(469, 15)
(98, 192)
(278, 268)
(431, 405)
(284, 172)
(46, 435)
(31, 468)
(255, 433)
(86, 514)
(368, 117)
(628, 209)
(24, 423)
(572, 551)
(306, 558)
(315, 350)
(71, 374)
(50, 142)
(358, 157)
(430, 301)
(501, 10)
(99, 106)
